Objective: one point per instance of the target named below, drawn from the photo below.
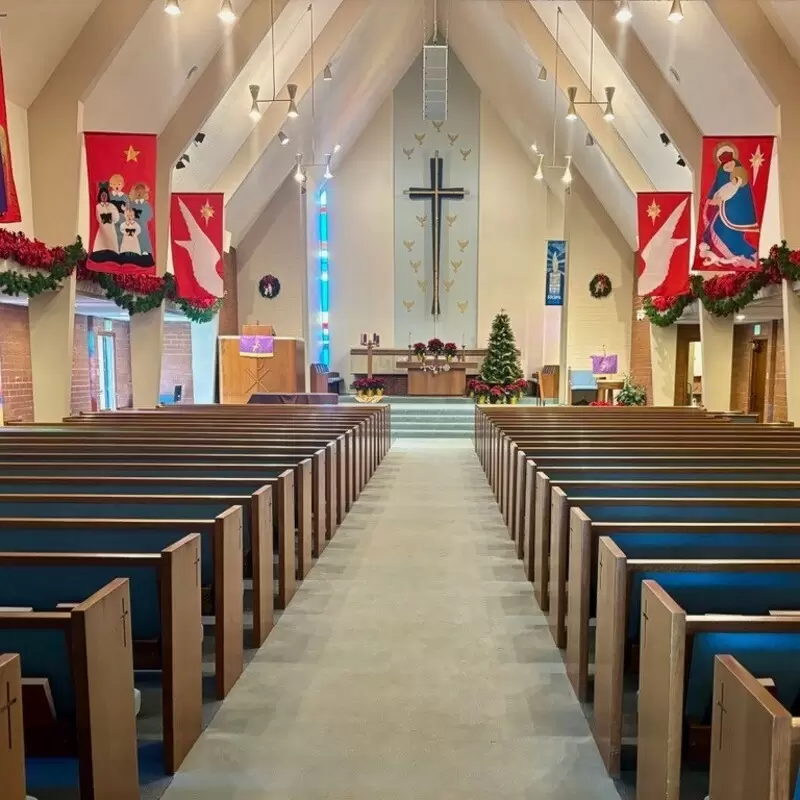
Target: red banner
(733, 193)
(664, 226)
(196, 233)
(122, 202)
(9, 203)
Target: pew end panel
(263, 565)
(661, 693)
(287, 570)
(12, 749)
(181, 602)
(559, 553)
(319, 502)
(229, 599)
(518, 512)
(100, 629)
(609, 653)
(541, 540)
(305, 532)
(528, 555)
(331, 490)
(752, 738)
(578, 604)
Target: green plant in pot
(631, 394)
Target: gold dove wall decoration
(422, 285)
(465, 153)
(420, 137)
(448, 284)
(409, 244)
(415, 265)
(451, 218)
(462, 305)
(409, 304)
(456, 265)
(437, 125)
(422, 220)
(409, 153)
(463, 244)
(453, 137)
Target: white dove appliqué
(657, 253)
(203, 254)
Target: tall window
(107, 367)
(325, 349)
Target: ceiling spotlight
(680, 162)
(566, 178)
(180, 165)
(535, 147)
(292, 113)
(608, 114)
(299, 171)
(200, 138)
(336, 148)
(185, 157)
(283, 138)
(664, 139)
(572, 92)
(624, 13)
(675, 12)
(542, 76)
(539, 172)
(328, 174)
(226, 12)
(172, 7)
(255, 111)
(589, 140)
(327, 75)
(740, 317)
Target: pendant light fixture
(542, 76)
(300, 174)
(283, 139)
(572, 92)
(328, 174)
(608, 114)
(327, 74)
(226, 12)
(624, 13)
(566, 178)
(172, 7)
(539, 175)
(675, 12)
(291, 89)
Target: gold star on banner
(653, 210)
(756, 162)
(131, 154)
(206, 212)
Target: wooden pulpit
(259, 362)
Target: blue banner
(556, 273)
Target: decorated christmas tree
(501, 366)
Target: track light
(542, 76)
(589, 140)
(172, 7)
(624, 13)
(539, 175)
(283, 138)
(185, 157)
(328, 174)
(608, 114)
(200, 138)
(299, 171)
(680, 162)
(226, 12)
(180, 165)
(566, 178)
(572, 92)
(327, 75)
(255, 111)
(336, 148)
(664, 139)
(675, 12)
(292, 113)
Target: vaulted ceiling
(195, 69)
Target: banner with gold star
(121, 168)
(733, 192)
(664, 229)
(196, 239)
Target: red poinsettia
(435, 346)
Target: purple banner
(256, 346)
(604, 365)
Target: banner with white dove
(196, 236)
(664, 227)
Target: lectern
(257, 362)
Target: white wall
(511, 239)
(361, 242)
(275, 245)
(596, 246)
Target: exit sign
(757, 329)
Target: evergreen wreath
(269, 287)
(600, 286)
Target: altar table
(442, 383)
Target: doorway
(757, 388)
(107, 368)
(688, 366)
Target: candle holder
(463, 352)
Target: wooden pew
(618, 603)
(12, 748)
(86, 654)
(676, 676)
(165, 617)
(755, 740)
(221, 563)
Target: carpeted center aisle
(413, 664)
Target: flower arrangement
(486, 393)
(420, 348)
(450, 350)
(600, 403)
(369, 390)
(435, 346)
(631, 394)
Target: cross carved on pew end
(10, 702)
(599, 571)
(197, 567)
(124, 618)
(723, 711)
(645, 619)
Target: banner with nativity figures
(121, 169)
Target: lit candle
(462, 338)
(409, 338)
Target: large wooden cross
(436, 193)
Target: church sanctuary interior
(398, 400)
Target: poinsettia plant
(420, 348)
(450, 350)
(435, 346)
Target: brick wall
(84, 369)
(15, 364)
(640, 365)
(780, 412)
(122, 355)
(176, 363)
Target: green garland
(42, 279)
(663, 319)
